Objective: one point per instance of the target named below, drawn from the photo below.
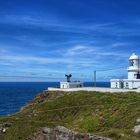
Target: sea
(14, 95)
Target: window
(116, 84)
(138, 75)
(127, 85)
(131, 63)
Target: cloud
(62, 46)
(77, 55)
(80, 50)
(97, 29)
(36, 59)
(92, 51)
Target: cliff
(88, 115)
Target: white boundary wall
(98, 89)
(125, 83)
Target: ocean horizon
(14, 95)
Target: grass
(111, 115)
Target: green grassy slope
(104, 114)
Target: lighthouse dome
(134, 56)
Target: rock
(136, 129)
(34, 113)
(4, 127)
(38, 136)
(47, 130)
(2, 130)
(122, 135)
(138, 120)
(48, 133)
(62, 133)
(5, 124)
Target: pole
(94, 78)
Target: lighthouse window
(138, 75)
(131, 63)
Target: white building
(75, 84)
(69, 84)
(133, 81)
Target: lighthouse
(133, 81)
(134, 68)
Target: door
(121, 85)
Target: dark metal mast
(94, 78)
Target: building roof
(134, 56)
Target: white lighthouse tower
(133, 81)
(134, 68)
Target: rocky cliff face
(62, 133)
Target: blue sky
(42, 40)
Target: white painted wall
(132, 74)
(135, 84)
(127, 84)
(130, 84)
(65, 85)
(115, 84)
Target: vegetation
(111, 115)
